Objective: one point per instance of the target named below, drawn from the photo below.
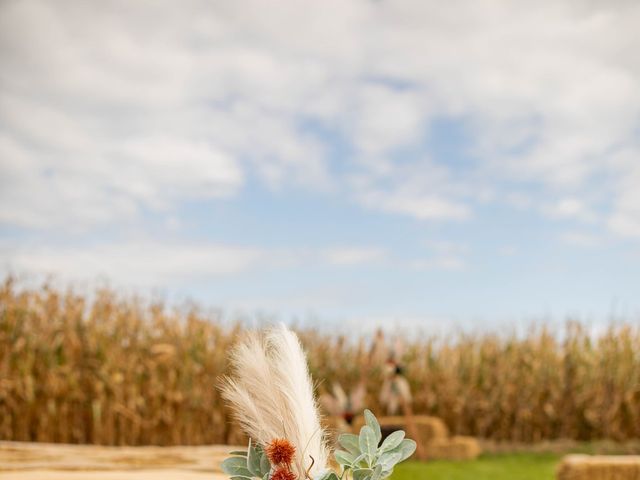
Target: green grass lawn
(520, 466)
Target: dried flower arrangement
(271, 394)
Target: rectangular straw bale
(599, 467)
(428, 428)
(454, 448)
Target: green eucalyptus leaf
(392, 441)
(240, 453)
(349, 442)
(236, 467)
(362, 474)
(368, 444)
(372, 421)
(344, 458)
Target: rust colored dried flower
(283, 473)
(280, 451)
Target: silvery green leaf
(386, 473)
(327, 475)
(392, 441)
(240, 453)
(262, 465)
(359, 460)
(377, 473)
(389, 459)
(236, 467)
(265, 465)
(405, 449)
(240, 477)
(349, 442)
(367, 442)
(344, 458)
(372, 421)
(253, 461)
(362, 474)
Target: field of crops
(119, 371)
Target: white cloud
(518, 200)
(423, 206)
(384, 118)
(445, 262)
(581, 239)
(111, 109)
(423, 190)
(158, 263)
(625, 223)
(392, 324)
(570, 207)
(346, 256)
(625, 219)
(442, 255)
(446, 247)
(143, 263)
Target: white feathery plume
(272, 396)
(297, 390)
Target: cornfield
(110, 370)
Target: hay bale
(433, 436)
(428, 428)
(454, 448)
(235, 436)
(599, 467)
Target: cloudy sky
(468, 162)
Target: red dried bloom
(283, 473)
(280, 451)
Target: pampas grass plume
(271, 394)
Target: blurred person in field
(343, 406)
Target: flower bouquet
(271, 394)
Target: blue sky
(467, 165)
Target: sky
(463, 164)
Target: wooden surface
(37, 461)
